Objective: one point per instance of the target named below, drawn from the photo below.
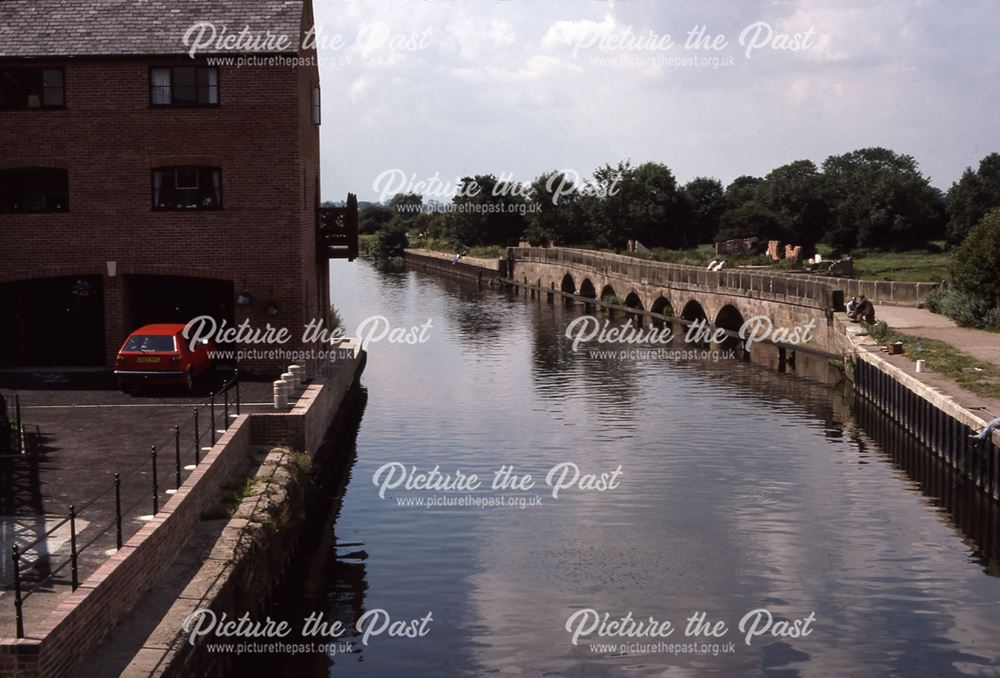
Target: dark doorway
(57, 322)
(175, 299)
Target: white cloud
(498, 88)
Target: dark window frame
(41, 91)
(317, 106)
(63, 173)
(173, 169)
(173, 88)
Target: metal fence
(11, 426)
(184, 442)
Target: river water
(740, 489)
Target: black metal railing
(31, 573)
(11, 426)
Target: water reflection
(968, 509)
(742, 488)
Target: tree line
(871, 198)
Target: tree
(881, 200)
(752, 220)
(374, 217)
(556, 211)
(708, 200)
(975, 264)
(741, 190)
(488, 211)
(798, 193)
(406, 205)
(390, 241)
(640, 203)
(972, 197)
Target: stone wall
(483, 271)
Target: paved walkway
(920, 322)
(80, 431)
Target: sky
(421, 90)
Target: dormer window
(184, 86)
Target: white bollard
(280, 395)
(293, 391)
(921, 365)
(299, 373)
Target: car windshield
(150, 343)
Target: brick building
(139, 184)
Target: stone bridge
(725, 298)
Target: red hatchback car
(159, 354)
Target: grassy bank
(974, 375)
(914, 266)
(449, 246)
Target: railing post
(197, 439)
(156, 486)
(236, 378)
(74, 572)
(225, 407)
(118, 511)
(20, 427)
(18, 612)
(212, 405)
(177, 453)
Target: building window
(187, 188)
(27, 88)
(316, 107)
(184, 86)
(34, 189)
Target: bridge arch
(633, 301)
(587, 289)
(730, 318)
(608, 293)
(568, 285)
(693, 311)
(662, 306)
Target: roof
(35, 28)
(167, 329)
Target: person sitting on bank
(852, 305)
(712, 265)
(988, 430)
(865, 310)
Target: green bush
(968, 310)
(390, 242)
(975, 264)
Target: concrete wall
(881, 291)
(483, 271)
(933, 417)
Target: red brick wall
(109, 138)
